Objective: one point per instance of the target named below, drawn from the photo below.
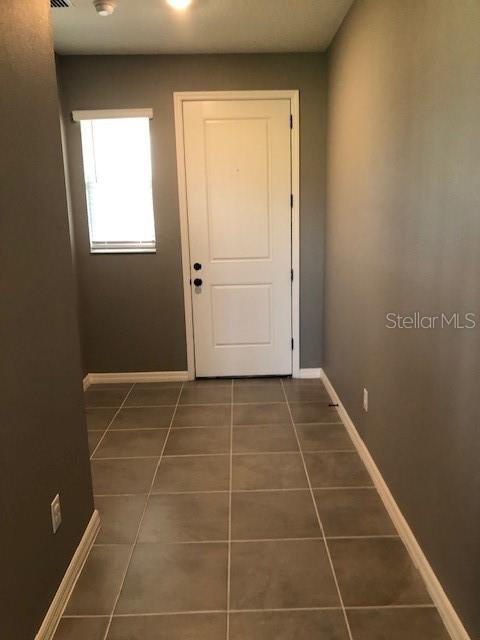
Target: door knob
(198, 282)
(197, 266)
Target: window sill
(116, 251)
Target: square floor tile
(188, 517)
(206, 394)
(203, 416)
(99, 582)
(397, 624)
(376, 572)
(195, 626)
(99, 419)
(150, 396)
(119, 517)
(306, 392)
(258, 393)
(273, 514)
(336, 469)
(143, 418)
(281, 574)
(288, 625)
(198, 440)
(81, 629)
(94, 438)
(264, 439)
(132, 444)
(193, 473)
(353, 512)
(113, 477)
(268, 471)
(175, 577)
(324, 437)
(106, 395)
(305, 412)
(260, 414)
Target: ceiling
(207, 26)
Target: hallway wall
(43, 438)
(132, 305)
(402, 235)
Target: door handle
(197, 266)
(198, 282)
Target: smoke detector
(104, 7)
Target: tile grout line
(117, 495)
(218, 426)
(147, 614)
(124, 457)
(332, 568)
(248, 540)
(193, 455)
(122, 582)
(208, 404)
(111, 421)
(368, 607)
(317, 425)
(230, 484)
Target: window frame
(112, 246)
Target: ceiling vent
(60, 4)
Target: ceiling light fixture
(179, 4)
(104, 7)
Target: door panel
(241, 314)
(238, 178)
(238, 164)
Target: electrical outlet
(56, 513)
(365, 399)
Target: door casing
(187, 96)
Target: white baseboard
(440, 599)
(309, 373)
(59, 602)
(136, 376)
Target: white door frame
(187, 96)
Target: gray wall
(43, 441)
(132, 305)
(402, 235)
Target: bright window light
(118, 184)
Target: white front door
(238, 182)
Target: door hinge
(291, 121)
(291, 200)
(293, 344)
(291, 275)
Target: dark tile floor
(238, 510)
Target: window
(118, 182)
